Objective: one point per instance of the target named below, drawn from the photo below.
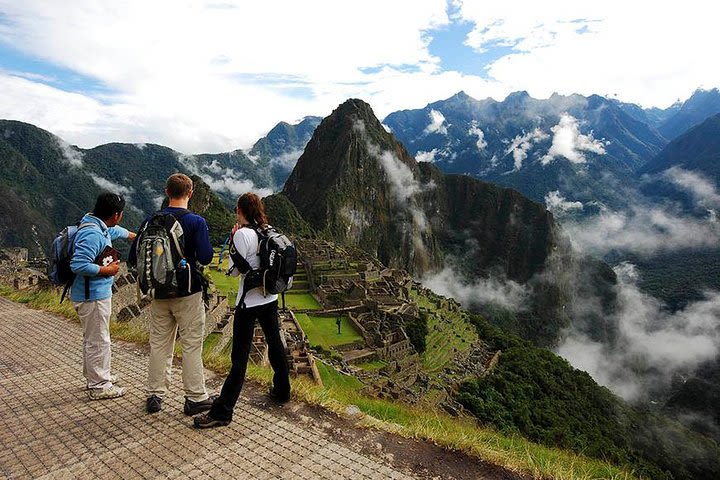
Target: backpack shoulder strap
(177, 216)
(80, 226)
(239, 261)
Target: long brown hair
(252, 209)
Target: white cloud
(521, 145)
(475, 130)
(652, 343)
(72, 156)
(185, 91)
(112, 187)
(437, 123)
(701, 188)
(426, 156)
(235, 184)
(569, 143)
(163, 85)
(557, 204)
(157, 198)
(481, 291)
(643, 231)
(404, 187)
(221, 179)
(288, 159)
(612, 47)
(402, 180)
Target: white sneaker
(114, 378)
(105, 393)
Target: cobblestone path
(49, 429)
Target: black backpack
(161, 264)
(278, 262)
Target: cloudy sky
(215, 75)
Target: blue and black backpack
(61, 252)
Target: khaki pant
(95, 321)
(186, 316)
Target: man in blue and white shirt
(91, 291)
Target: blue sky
(214, 76)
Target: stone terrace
(49, 429)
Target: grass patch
(372, 366)
(224, 284)
(301, 301)
(510, 451)
(210, 341)
(323, 330)
(337, 381)
(448, 334)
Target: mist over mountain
(665, 250)
(282, 146)
(43, 186)
(358, 185)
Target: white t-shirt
(246, 243)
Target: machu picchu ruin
(381, 314)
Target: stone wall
(14, 257)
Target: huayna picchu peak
(358, 184)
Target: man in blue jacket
(91, 291)
(184, 313)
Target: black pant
(243, 331)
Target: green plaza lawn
(301, 301)
(323, 330)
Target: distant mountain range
(585, 148)
(697, 150)
(46, 183)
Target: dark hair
(108, 204)
(178, 185)
(252, 208)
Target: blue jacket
(89, 244)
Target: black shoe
(206, 421)
(153, 404)
(193, 408)
(274, 396)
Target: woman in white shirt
(256, 306)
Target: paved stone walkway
(49, 429)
